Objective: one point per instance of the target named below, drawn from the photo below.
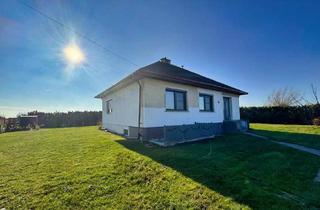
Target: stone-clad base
(178, 131)
(191, 131)
(171, 135)
(146, 133)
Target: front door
(227, 108)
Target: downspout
(139, 111)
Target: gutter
(139, 112)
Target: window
(176, 100)
(206, 103)
(169, 100)
(108, 106)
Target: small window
(176, 100)
(206, 103)
(108, 106)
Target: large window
(206, 103)
(176, 100)
(108, 106)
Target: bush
(2, 128)
(316, 121)
(99, 124)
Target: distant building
(28, 121)
(21, 123)
(12, 124)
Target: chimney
(165, 60)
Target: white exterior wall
(235, 108)
(156, 116)
(125, 107)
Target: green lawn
(306, 135)
(78, 168)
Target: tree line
(67, 119)
(285, 106)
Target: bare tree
(315, 93)
(285, 97)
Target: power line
(77, 33)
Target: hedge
(67, 119)
(281, 115)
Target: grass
(77, 168)
(306, 135)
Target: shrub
(316, 121)
(2, 128)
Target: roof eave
(243, 93)
(127, 80)
(193, 83)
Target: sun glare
(73, 54)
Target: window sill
(205, 111)
(173, 110)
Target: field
(305, 135)
(78, 168)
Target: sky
(256, 46)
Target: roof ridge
(170, 72)
(196, 74)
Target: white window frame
(203, 95)
(185, 98)
(108, 106)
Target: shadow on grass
(309, 140)
(253, 172)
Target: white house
(162, 94)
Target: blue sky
(257, 46)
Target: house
(161, 98)
(12, 124)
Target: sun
(73, 54)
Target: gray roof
(168, 72)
